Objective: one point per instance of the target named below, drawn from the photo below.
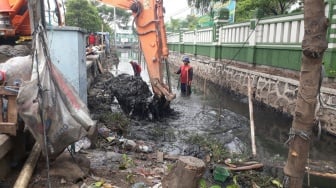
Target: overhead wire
(244, 43)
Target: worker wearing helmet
(186, 75)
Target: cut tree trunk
(186, 173)
(313, 46)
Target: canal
(214, 113)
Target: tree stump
(186, 173)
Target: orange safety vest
(185, 73)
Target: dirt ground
(112, 160)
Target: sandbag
(17, 69)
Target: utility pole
(313, 46)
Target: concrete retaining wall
(277, 92)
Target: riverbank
(276, 88)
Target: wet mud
(132, 94)
(213, 117)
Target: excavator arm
(150, 28)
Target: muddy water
(216, 114)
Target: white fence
(204, 35)
(173, 37)
(280, 30)
(236, 33)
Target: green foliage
(217, 150)
(277, 183)
(202, 183)
(126, 162)
(118, 119)
(130, 178)
(122, 16)
(82, 14)
(173, 25)
(235, 183)
(189, 22)
(246, 9)
(216, 186)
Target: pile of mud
(132, 94)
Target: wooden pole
(28, 168)
(313, 46)
(254, 150)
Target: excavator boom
(150, 28)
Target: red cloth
(136, 68)
(92, 39)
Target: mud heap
(132, 94)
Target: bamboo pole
(323, 174)
(204, 88)
(249, 167)
(28, 168)
(254, 152)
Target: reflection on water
(210, 110)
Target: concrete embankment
(275, 88)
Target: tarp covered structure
(49, 105)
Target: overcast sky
(176, 8)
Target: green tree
(107, 13)
(202, 5)
(192, 22)
(82, 14)
(173, 25)
(246, 9)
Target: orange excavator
(14, 19)
(150, 28)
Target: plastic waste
(220, 173)
(146, 149)
(139, 185)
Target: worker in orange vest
(186, 76)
